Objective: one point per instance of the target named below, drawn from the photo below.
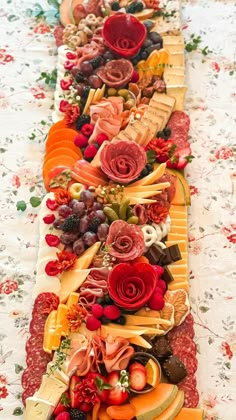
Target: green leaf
(21, 205)
(231, 72)
(12, 18)
(204, 309)
(151, 156)
(35, 201)
(18, 411)
(18, 368)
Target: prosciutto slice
(94, 286)
(116, 352)
(107, 117)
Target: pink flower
(3, 379)
(5, 58)
(16, 181)
(224, 153)
(193, 190)
(8, 286)
(226, 350)
(216, 67)
(191, 238)
(41, 29)
(3, 392)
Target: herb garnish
(61, 355)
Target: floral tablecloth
(27, 49)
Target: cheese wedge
(140, 341)
(71, 281)
(164, 99)
(178, 92)
(38, 409)
(58, 374)
(116, 331)
(174, 79)
(170, 39)
(50, 389)
(89, 100)
(176, 59)
(136, 320)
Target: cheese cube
(51, 389)
(178, 92)
(38, 409)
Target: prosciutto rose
(125, 241)
(123, 161)
(132, 285)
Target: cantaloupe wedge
(87, 257)
(72, 299)
(190, 414)
(140, 341)
(102, 414)
(173, 409)
(65, 15)
(152, 177)
(149, 406)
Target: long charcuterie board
(111, 335)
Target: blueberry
(144, 55)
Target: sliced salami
(38, 357)
(179, 119)
(34, 341)
(28, 392)
(189, 360)
(186, 328)
(180, 139)
(185, 343)
(45, 303)
(37, 324)
(189, 382)
(191, 398)
(32, 377)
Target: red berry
(159, 290)
(80, 140)
(162, 285)
(51, 204)
(63, 105)
(112, 312)
(90, 151)
(71, 56)
(97, 310)
(156, 302)
(52, 240)
(49, 219)
(137, 379)
(135, 77)
(87, 129)
(85, 407)
(101, 138)
(93, 323)
(63, 416)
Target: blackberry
(96, 61)
(71, 224)
(83, 119)
(115, 6)
(79, 77)
(93, 226)
(76, 414)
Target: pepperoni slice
(185, 343)
(189, 360)
(186, 328)
(37, 325)
(34, 341)
(191, 398)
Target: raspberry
(52, 240)
(157, 301)
(49, 219)
(93, 323)
(90, 151)
(80, 140)
(87, 129)
(162, 285)
(63, 416)
(101, 138)
(51, 204)
(97, 310)
(159, 290)
(135, 77)
(112, 312)
(63, 105)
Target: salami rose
(122, 161)
(131, 285)
(125, 241)
(116, 73)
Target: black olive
(155, 37)
(153, 47)
(149, 24)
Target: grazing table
(28, 50)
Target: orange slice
(153, 373)
(72, 299)
(60, 161)
(61, 321)
(49, 330)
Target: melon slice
(190, 413)
(66, 17)
(149, 406)
(171, 412)
(71, 281)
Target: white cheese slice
(174, 70)
(37, 409)
(46, 283)
(178, 92)
(170, 39)
(176, 59)
(51, 389)
(58, 374)
(174, 79)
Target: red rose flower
(132, 285)
(8, 287)
(125, 241)
(162, 148)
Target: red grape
(68, 237)
(86, 68)
(87, 197)
(89, 238)
(100, 215)
(64, 210)
(84, 224)
(102, 232)
(95, 81)
(78, 208)
(78, 247)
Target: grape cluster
(83, 223)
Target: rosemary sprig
(61, 355)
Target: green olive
(112, 92)
(123, 93)
(133, 220)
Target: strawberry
(102, 385)
(138, 366)
(137, 379)
(119, 382)
(63, 404)
(64, 415)
(180, 158)
(74, 395)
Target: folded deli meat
(112, 334)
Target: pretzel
(162, 229)
(150, 235)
